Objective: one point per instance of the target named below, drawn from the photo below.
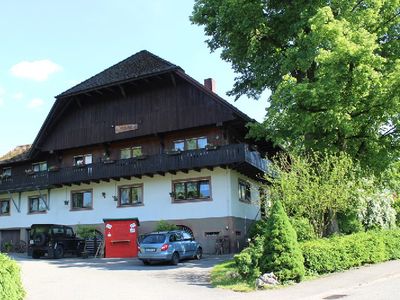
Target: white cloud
(18, 96)
(35, 103)
(38, 70)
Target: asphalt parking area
(87, 279)
(76, 278)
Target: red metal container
(121, 237)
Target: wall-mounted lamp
(104, 195)
(172, 194)
(115, 198)
(66, 202)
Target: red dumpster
(121, 237)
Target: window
(4, 207)
(81, 200)
(69, 232)
(39, 167)
(82, 160)
(130, 195)
(190, 144)
(37, 204)
(131, 152)
(191, 189)
(6, 172)
(244, 191)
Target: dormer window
(81, 160)
(39, 167)
(130, 152)
(190, 143)
(6, 172)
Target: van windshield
(154, 239)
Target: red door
(121, 237)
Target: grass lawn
(223, 276)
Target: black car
(53, 240)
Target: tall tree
(333, 68)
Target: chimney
(210, 84)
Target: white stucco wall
(157, 202)
(242, 209)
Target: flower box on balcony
(211, 147)
(29, 172)
(54, 168)
(108, 161)
(141, 157)
(173, 152)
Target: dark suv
(53, 240)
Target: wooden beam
(79, 102)
(173, 79)
(184, 171)
(197, 169)
(149, 175)
(99, 92)
(210, 168)
(105, 180)
(161, 173)
(122, 91)
(138, 176)
(172, 172)
(127, 177)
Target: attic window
(131, 152)
(6, 172)
(39, 167)
(191, 143)
(82, 160)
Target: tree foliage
(333, 68)
(316, 186)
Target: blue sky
(49, 46)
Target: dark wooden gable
(153, 104)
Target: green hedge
(10, 280)
(344, 252)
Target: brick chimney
(210, 84)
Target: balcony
(236, 156)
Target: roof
(19, 153)
(139, 65)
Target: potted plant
(29, 172)
(54, 168)
(211, 147)
(173, 151)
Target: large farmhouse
(143, 140)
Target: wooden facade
(151, 112)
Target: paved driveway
(122, 279)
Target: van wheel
(175, 258)
(146, 262)
(36, 254)
(59, 252)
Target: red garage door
(120, 237)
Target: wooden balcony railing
(237, 156)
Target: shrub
(303, 228)
(343, 252)
(165, 226)
(349, 222)
(247, 261)
(86, 231)
(10, 280)
(282, 254)
(257, 229)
